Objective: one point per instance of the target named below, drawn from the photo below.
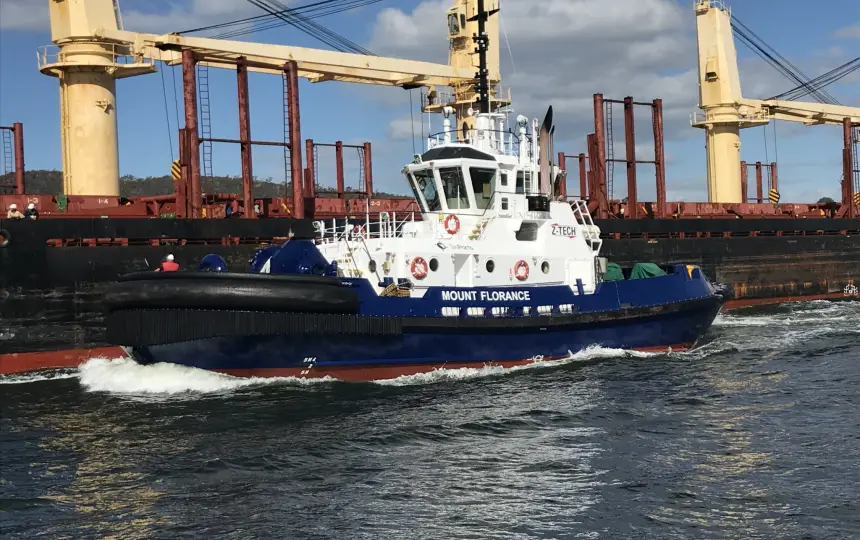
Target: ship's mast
(473, 29)
(482, 41)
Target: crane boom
(95, 50)
(725, 109)
(810, 114)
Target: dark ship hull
(53, 270)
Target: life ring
(452, 224)
(418, 267)
(5, 237)
(521, 270)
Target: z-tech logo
(563, 230)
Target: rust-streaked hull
(49, 293)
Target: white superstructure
(486, 222)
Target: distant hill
(42, 182)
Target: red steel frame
(187, 201)
(593, 177)
(598, 196)
(17, 130)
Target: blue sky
(809, 157)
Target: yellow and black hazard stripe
(773, 196)
(176, 170)
(857, 198)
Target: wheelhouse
(460, 179)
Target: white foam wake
(125, 376)
(40, 376)
(460, 374)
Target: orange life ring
(418, 268)
(452, 228)
(521, 270)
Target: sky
(554, 52)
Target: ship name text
(486, 296)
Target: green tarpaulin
(613, 273)
(646, 270)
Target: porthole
(434, 264)
(372, 266)
(491, 266)
(545, 267)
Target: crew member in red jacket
(168, 264)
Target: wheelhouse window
(426, 184)
(454, 186)
(521, 182)
(483, 184)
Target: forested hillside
(43, 182)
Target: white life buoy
(521, 270)
(418, 267)
(452, 224)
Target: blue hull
(423, 348)
(233, 324)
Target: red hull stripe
(748, 302)
(35, 361)
(27, 362)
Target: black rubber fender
(5, 238)
(230, 291)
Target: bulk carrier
(53, 269)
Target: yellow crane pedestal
(87, 74)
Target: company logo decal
(563, 230)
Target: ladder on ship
(856, 142)
(205, 125)
(287, 160)
(610, 151)
(7, 181)
(361, 183)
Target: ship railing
(757, 116)
(719, 4)
(52, 54)
(506, 143)
(386, 225)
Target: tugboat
(499, 272)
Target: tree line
(44, 182)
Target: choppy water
(756, 435)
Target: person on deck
(13, 212)
(31, 212)
(168, 264)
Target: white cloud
(23, 15)
(187, 15)
(138, 15)
(566, 50)
(402, 129)
(850, 31)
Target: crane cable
(252, 19)
(776, 60)
(314, 30)
(273, 18)
(318, 29)
(826, 79)
(273, 22)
